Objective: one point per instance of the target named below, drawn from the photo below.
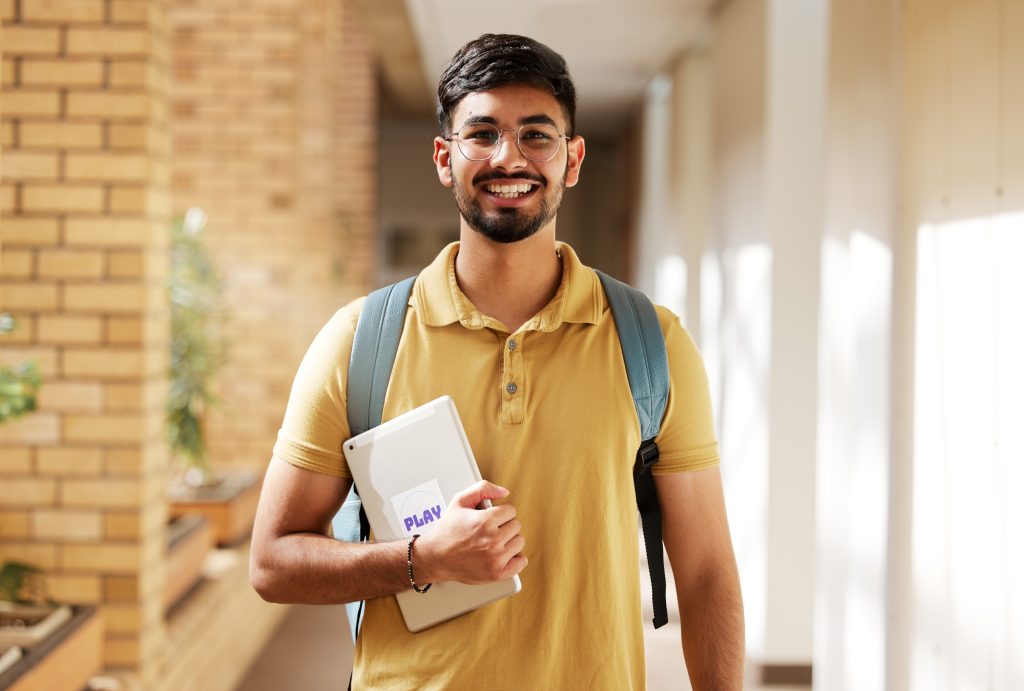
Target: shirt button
(511, 344)
(511, 387)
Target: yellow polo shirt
(563, 440)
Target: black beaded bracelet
(408, 561)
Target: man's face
(512, 215)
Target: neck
(509, 282)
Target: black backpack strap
(643, 350)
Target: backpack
(378, 332)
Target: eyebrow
(539, 118)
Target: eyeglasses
(480, 141)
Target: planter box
(229, 504)
(9, 656)
(27, 625)
(65, 660)
(189, 539)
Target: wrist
(426, 564)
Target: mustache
(487, 177)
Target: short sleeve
(315, 422)
(687, 440)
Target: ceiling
(613, 47)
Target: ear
(576, 149)
(442, 160)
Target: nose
(507, 154)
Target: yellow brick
(37, 428)
(121, 588)
(16, 263)
(62, 135)
(62, 198)
(124, 331)
(115, 429)
(44, 357)
(128, 136)
(28, 296)
(121, 106)
(7, 77)
(64, 396)
(81, 589)
(118, 167)
(122, 397)
(30, 103)
(122, 618)
(64, 330)
(102, 362)
(108, 232)
(24, 329)
(129, 200)
(7, 10)
(69, 460)
(7, 196)
(122, 526)
(6, 134)
(34, 492)
(108, 42)
(105, 493)
(16, 462)
(18, 165)
(62, 73)
(125, 265)
(71, 264)
(41, 556)
(29, 231)
(70, 526)
(129, 11)
(22, 40)
(105, 558)
(106, 297)
(128, 73)
(14, 524)
(62, 10)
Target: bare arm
(696, 535)
(293, 560)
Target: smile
(509, 191)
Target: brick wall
(274, 130)
(85, 209)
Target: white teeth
(509, 191)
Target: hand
(471, 545)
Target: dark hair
(495, 60)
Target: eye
(537, 134)
(480, 135)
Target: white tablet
(407, 471)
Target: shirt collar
(439, 301)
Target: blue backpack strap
(643, 350)
(373, 356)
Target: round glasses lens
(477, 142)
(538, 142)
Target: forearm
(307, 568)
(711, 615)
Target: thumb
(475, 494)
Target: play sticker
(419, 508)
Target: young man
(511, 325)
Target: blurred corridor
(829, 193)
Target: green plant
(19, 385)
(23, 584)
(198, 343)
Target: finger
(500, 514)
(514, 566)
(515, 545)
(509, 530)
(481, 491)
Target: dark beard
(510, 225)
